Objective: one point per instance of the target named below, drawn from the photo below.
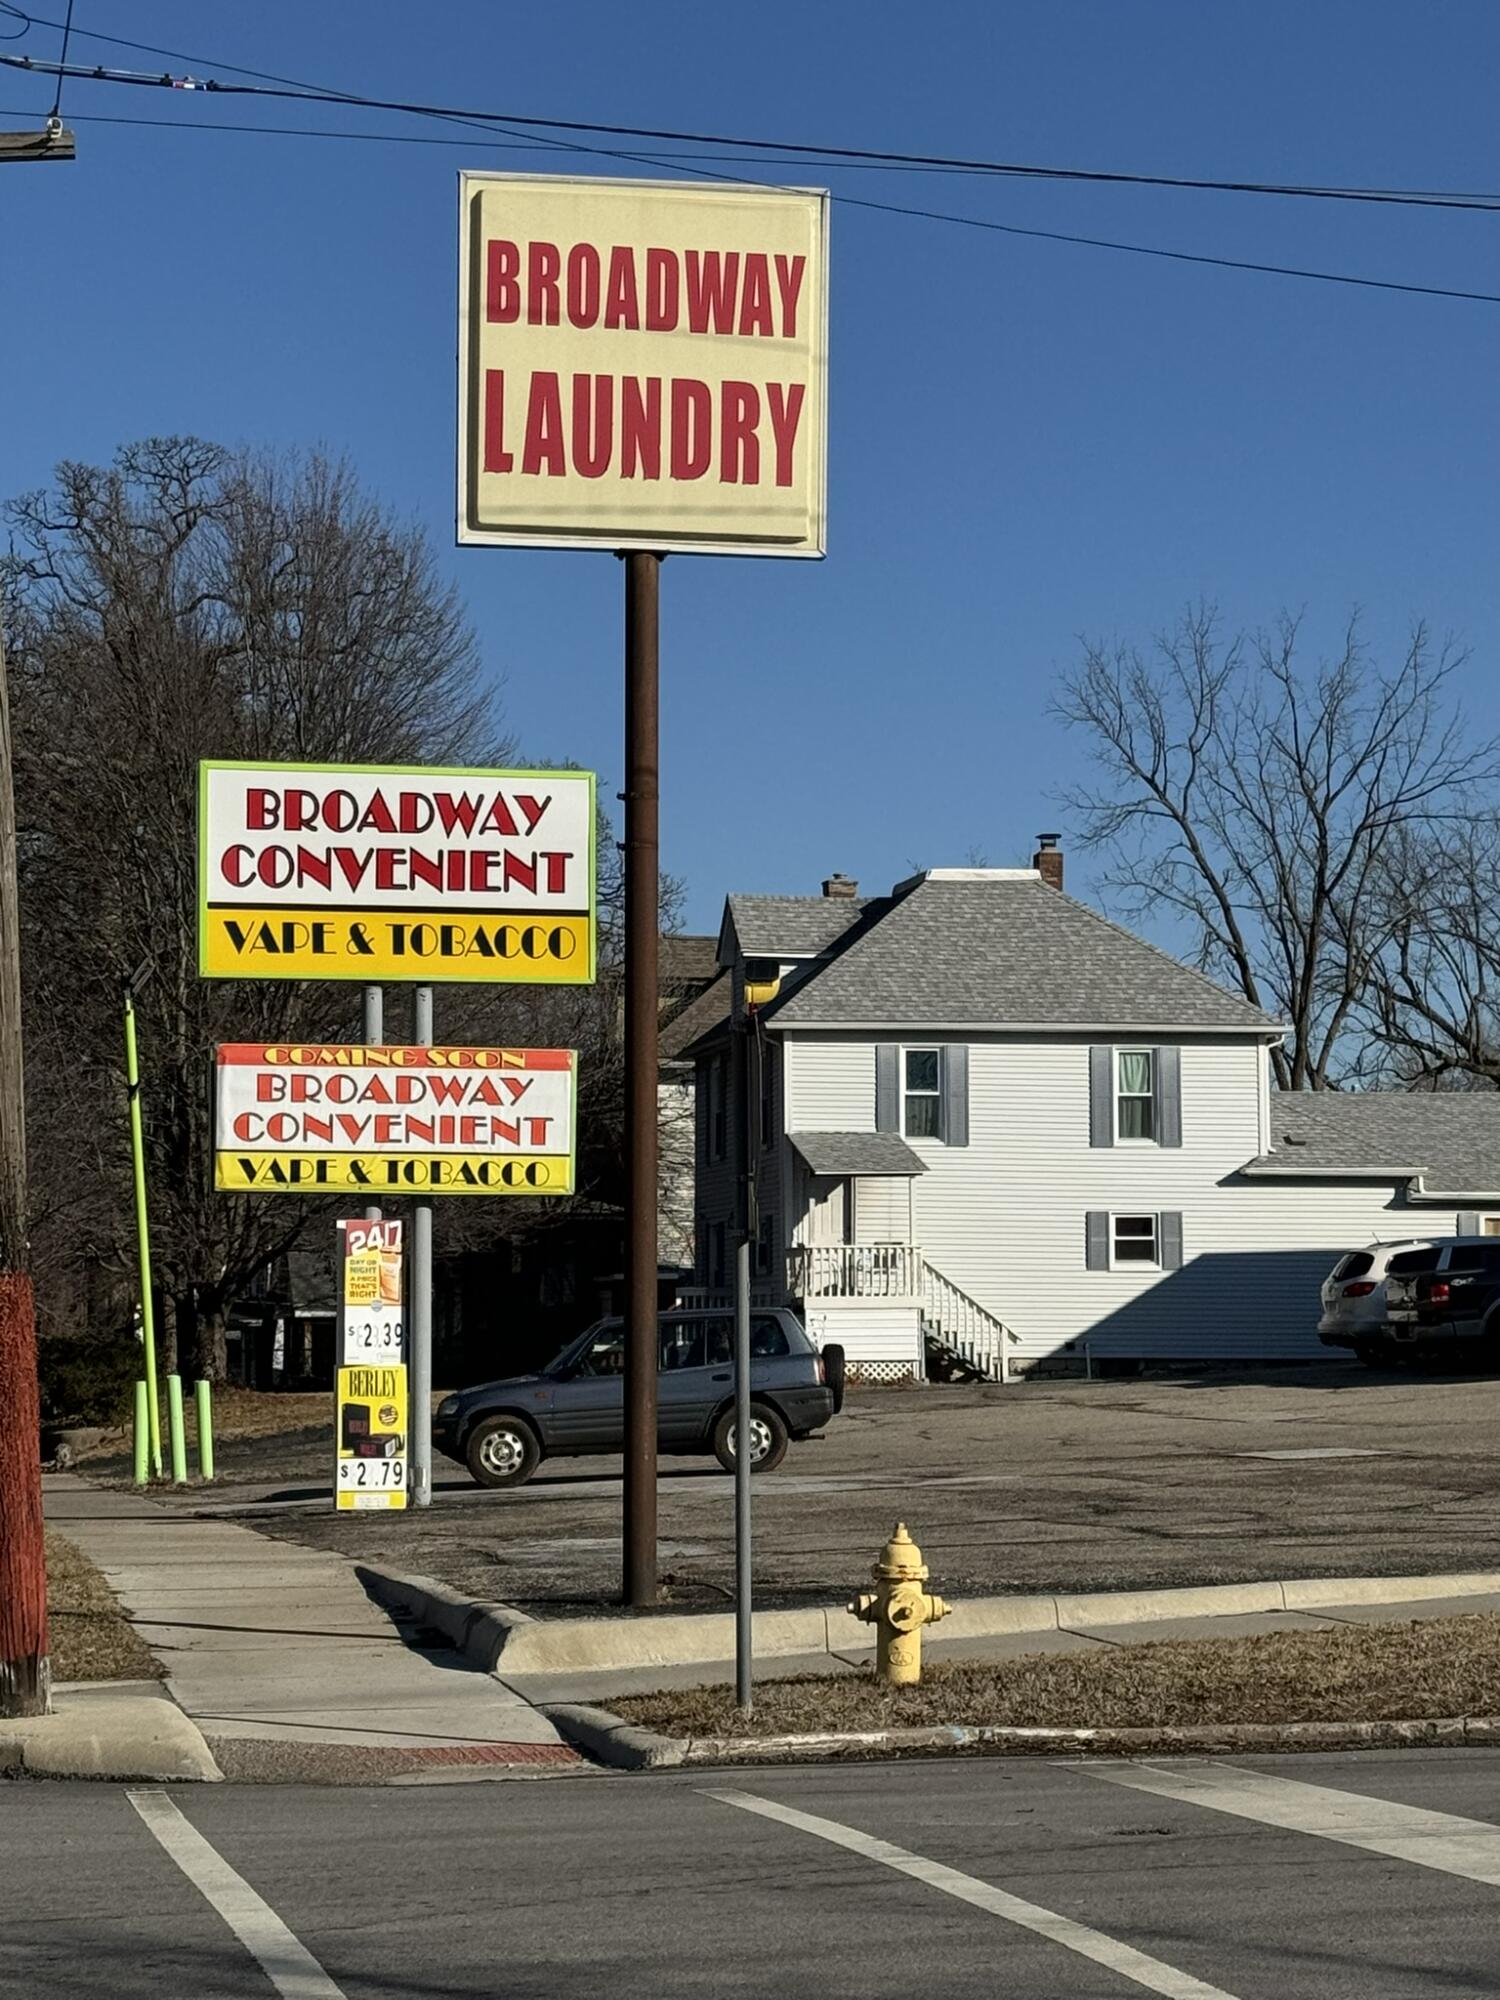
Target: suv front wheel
(502, 1451)
(768, 1435)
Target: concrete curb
(132, 1736)
(609, 1739)
(480, 1631)
(616, 1743)
(499, 1638)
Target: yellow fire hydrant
(898, 1608)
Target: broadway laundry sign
(307, 1118)
(642, 365)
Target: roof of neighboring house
(687, 961)
(997, 948)
(857, 1153)
(790, 926)
(1448, 1139)
(709, 1010)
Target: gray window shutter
(1096, 1239)
(1169, 1239)
(1469, 1223)
(887, 1088)
(1101, 1097)
(955, 1077)
(1168, 1073)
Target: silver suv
(503, 1430)
(1355, 1311)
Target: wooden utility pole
(24, 1673)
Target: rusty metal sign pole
(642, 927)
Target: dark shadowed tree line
(1323, 836)
(189, 602)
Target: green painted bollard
(142, 1434)
(203, 1396)
(179, 1435)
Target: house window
(1135, 1094)
(1133, 1239)
(761, 1249)
(922, 1096)
(718, 1128)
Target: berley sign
(384, 872)
(309, 1118)
(642, 365)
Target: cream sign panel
(642, 365)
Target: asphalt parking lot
(1324, 1470)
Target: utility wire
(523, 142)
(62, 66)
(289, 87)
(491, 122)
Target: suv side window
(683, 1343)
(605, 1354)
(1412, 1261)
(768, 1337)
(1354, 1265)
(1477, 1257)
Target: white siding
(830, 1085)
(877, 1337)
(882, 1210)
(1004, 1216)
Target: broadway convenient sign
(304, 1118)
(374, 872)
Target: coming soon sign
(642, 365)
(376, 872)
(305, 1118)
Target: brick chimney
(840, 886)
(1048, 861)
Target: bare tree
(186, 603)
(1267, 810)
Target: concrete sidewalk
(264, 1640)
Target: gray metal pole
(421, 1301)
(372, 1034)
(744, 1631)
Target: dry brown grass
(89, 1637)
(1426, 1668)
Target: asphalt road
(1327, 1470)
(1279, 1878)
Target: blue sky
(1028, 441)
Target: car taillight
(1440, 1293)
(822, 1373)
(1358, 1291)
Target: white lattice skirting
(880, 1371)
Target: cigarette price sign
(371, 1438)
(372, 1322)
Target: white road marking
(1152, 1973)
(1455, 1846)
(286, 1962)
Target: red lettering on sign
(543, 263)
(786, 413)
(692, 428)
(621, 305)
(661, 291)
(755, 297)
(593, 424)
(713, 281)
(739, 443)
(502, 292)
(583, 284)
(640, 427)
(789, 272)
(496, 457)
(543, 450)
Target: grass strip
(1418, 1669)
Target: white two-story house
(981, 1119)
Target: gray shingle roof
(1001, 949)
(1452, 1139)
(791, 926)
(708, 1010)
(857, 1153)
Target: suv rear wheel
(768, 1435)
(502, 1451)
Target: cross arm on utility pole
(55, 143)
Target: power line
(522, 142)
(289, 87)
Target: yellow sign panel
(272, 943)
(642, 365)
(371, 1438)
(388, 872)
(418, 1173)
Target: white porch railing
(855, 1270)
(963, 1326)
